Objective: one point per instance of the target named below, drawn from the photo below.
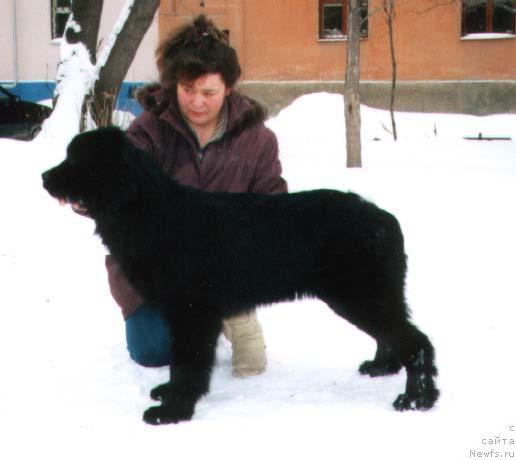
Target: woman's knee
(148, 358)
(148, 338)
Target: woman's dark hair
(195, 50)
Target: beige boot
(246, 337)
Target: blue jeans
(148, 337)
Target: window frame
(489, 18)
(345, 9)
(55, 10)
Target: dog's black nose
(45, 176)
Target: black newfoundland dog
(205, 256)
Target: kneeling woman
(206, 135)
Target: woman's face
(201, 100)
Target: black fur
(206, 256)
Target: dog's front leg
(193, 356)
(178, 398)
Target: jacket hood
(243, 111)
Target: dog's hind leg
(194, 341)
(400, 343)
(417, 355)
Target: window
(333, 19)
(488, 16)
(61, 9)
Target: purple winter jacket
(244, 159)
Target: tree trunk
(78, 78)
(351, 88)
(87, 14)
(122, 54)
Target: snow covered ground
(68, 389)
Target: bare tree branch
(390, 15)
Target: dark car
(20, 119)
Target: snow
(488, 36)
(69, 390)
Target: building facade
(451, 55)
(285, 40)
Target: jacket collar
(220, 128)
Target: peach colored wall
(227, 14)
(278, 40)
(429, 47)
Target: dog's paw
(168, 413)
(161, 392)
(424, 401)
(159, 415)
(378, 369)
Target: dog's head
(89, 170)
